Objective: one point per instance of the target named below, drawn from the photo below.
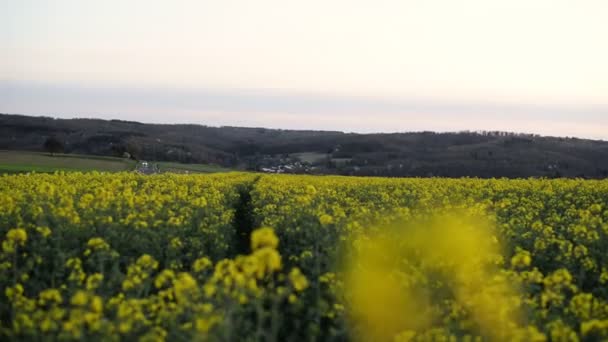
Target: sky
(536, 66)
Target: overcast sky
(536, 66)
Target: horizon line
(478, 132)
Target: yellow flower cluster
(264, 237)
(14, 238)
(152, 304)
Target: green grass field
(189, 168)
(22, 161)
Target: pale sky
(538, 66)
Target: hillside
(488, 154)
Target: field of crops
(236, 256)
(24, 161)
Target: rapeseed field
(248, 257)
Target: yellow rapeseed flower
(326, 220)
(521, 259)
(93, 281)
(80, 298)
(269, 261)
(44, 231)
(96, 304)
(264, 237)
(201, 264)
(298, 280)
(50, 296)
(17, 235)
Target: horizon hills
(401, 154)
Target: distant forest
(418, 154)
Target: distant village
(296, 167)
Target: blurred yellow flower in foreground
(398, 279)
(264, 237)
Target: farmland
(13, 162)
(20, 161)
(240, 256)
(189, 168)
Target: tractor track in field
(243, 218)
